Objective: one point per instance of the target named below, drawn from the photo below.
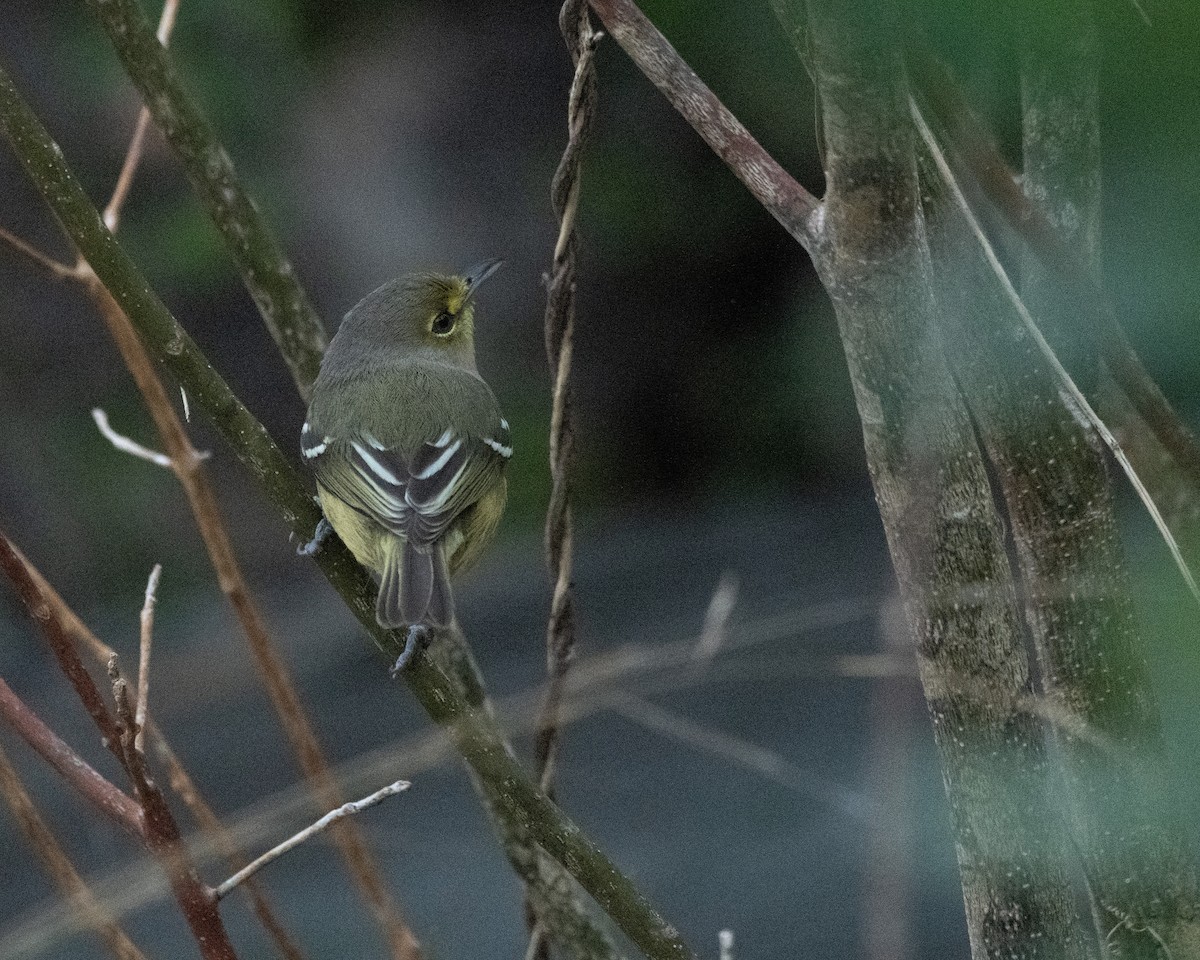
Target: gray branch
(934, 495)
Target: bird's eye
(443, 323)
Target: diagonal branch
(101, 793)
(265, 270)
(60, 645)
(345, 810)
(772, 186)
(452, 700)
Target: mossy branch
(260, 259)
(439, 692)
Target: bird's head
(430, 314)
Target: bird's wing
(416, 493)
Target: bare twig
(779, 193)
(147, 638)
(345, 810)
(133, 157)
(767, 763)
(49, 851)
(126, 445)
(59, 271)
(108, 798)
(716, 619)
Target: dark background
(716, 424)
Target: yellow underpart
(465, 540)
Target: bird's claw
(323, 530)
(418, 637)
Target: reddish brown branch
(785, 199)
(64, 652)
(154, 825)
(57, 864)
(178, 778)
(162, 837)
(106, 797)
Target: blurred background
(717, 436)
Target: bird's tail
(414, 588)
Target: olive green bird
(408, 444)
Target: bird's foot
(418, 638)
(323, 530)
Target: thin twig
(716, 619)
(147, 638)
(126, 445)
(772, 186)
(1072, 395)
(57, 864)
(767, 763)
(133, 157)
(59, 271)
(345, 810)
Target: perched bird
(408, 444)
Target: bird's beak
(480, 272)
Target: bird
(408, 445)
